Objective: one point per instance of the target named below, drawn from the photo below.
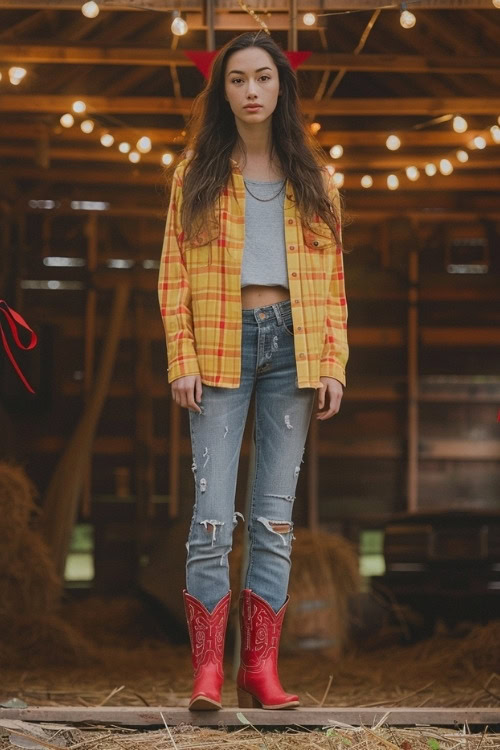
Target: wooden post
(89, 347)
(413, 385)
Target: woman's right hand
(184, 391)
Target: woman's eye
(239, 79)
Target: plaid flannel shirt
(199, 291)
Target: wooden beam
(133, 176)
(354, 716)
(114, 54)
(368, 161)
(446, 138)
(160, 5)
(370, 107)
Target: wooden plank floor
(151, 716)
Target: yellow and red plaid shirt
(200, 293)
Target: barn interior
(395, 581)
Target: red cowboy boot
(258, 684)
(207, 633)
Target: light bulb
(495, 133)
(336, 151)
(459, 124)
(144, 144)
(338, 179)
(407, 19)
(107, 139)
(366, 181)
(87, 126)
(179, 26)
(445, 166)
(79, 107)
(16, 74)
(393, 142)
(309, 19)
(67, 120)
(479, 141)
(134, 156)
(496, 3)
(124, 147)
(90, 9)
(430, 169)
(462, 155)
(412, 173)
(392, 182)
(315, 127)
(167, 159)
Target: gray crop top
(264, 255)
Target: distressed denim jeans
(282, 416)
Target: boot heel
(246, 700)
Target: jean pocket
(288, 325)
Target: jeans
(282, 416)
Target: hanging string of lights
(393, 142)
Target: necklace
(265, 199)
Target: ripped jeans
(282, 417)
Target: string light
(366, 181)
(393, 142)
(315, 127)
(16, 75)
(407, 19)
(479, 142)
(87, 126)
(445, 166)
(144, 144)
(309, 19)
(67, 120)
(338, 179)
(336, 151)
(179, 26)
(462, 155)
(496, 3)
(134, 156)
(79, 107)
(495, 133)
(167, 159)
(392, 182)
(412, 173)
(459, 124)
(430, 169)
(90, 9)
(124, 147)
(107, 139)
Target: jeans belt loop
(277, 312)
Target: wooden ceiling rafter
(441, 139)
(116, 54)
(341, 107)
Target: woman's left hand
(335, 390)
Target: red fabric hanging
(14, 318)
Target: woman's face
(251, 78)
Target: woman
(252, 295)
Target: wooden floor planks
(151, 716)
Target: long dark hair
(212, 135)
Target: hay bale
(31, 627)
(323, 578)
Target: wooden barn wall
(362, 461)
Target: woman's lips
(254, 108)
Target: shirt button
(292, 247)
(262, 315)
(296, 300)
(299, 328)
(294, 273)
(290, 221)
(302, 355)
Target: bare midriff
(255, 295)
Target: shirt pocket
(197, 251)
